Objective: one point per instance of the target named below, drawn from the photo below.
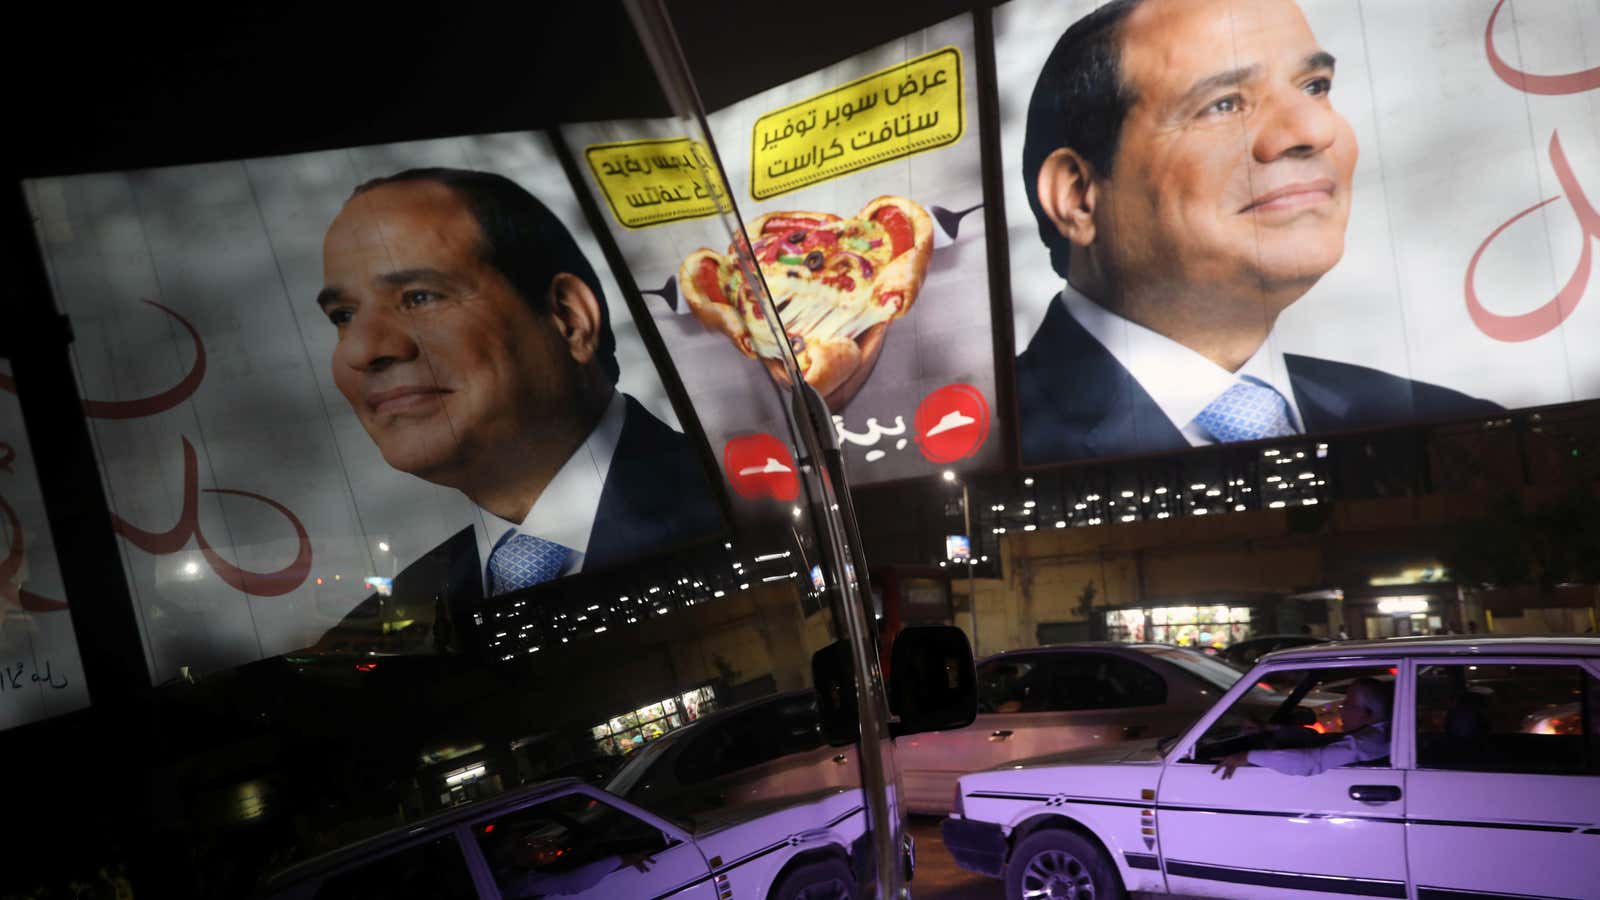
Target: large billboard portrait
(339, 398)
(860, 190)
(1233, 220)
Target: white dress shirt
(565, 512)
(1371, 742)
(1179, 380)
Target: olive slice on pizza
(836, 283)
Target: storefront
(1212, 626)
(631, 730)
(1412, 609)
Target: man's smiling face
(445, 364)
(1232, 172)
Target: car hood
(1141, 751)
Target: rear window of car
(435, 870)
(1536, 719)
(1217, 674)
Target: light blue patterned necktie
(1248, 411)
(522, 560)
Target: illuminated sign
(1396, 606)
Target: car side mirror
(932, 683)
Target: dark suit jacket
(1075, 401)
(655, 497)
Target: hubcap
(1056, 875)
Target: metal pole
(972, 573)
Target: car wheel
(829, 879)
(1062, 866)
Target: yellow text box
(655, 182)
(905, 109)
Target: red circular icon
(952, 423)
(759, 465)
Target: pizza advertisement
(860, 190)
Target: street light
(972, 574)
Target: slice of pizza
(836, 283)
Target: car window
(1508, 718)
(750, 738)
(1308, 714)
(1080, 681)
(1011, 684)
(432, 871)
(1214, 673)
(564, 846)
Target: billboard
(860, 190)
(334, 406)
(1238, 221)
(40, 671)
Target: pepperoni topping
(841, 282)
(705, 280)
(891, 299)
(901, 234)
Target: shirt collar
(565, 511)
(1180, 381)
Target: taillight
(957, 807)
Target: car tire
(1061, 864)
(828, 879)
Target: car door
(1264, 834)
(1011, 693)
(1033, 705)
(1505, 798)
(585, 843)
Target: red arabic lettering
(144, 406)
(259, 584)
(10, 592)
(1535, 323)
(149, 406)
(1543, 85)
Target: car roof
(1446, 645)
(435, 823)
(1123, 647)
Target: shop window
(632, 730)
(1508, 718)
(1201, 627)
(564, 846)
(432, 871)
(1080, 681)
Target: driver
(1365, 713)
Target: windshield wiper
(1161, 745)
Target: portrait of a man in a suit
(1191, 179)
(474, 346)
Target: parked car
(571, 839)
(1049, 699)
(1245, 653)
(768, 751)
(1491, 788)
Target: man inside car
(1365, 714)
